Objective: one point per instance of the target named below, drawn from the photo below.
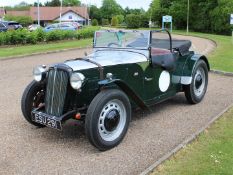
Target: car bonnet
(109, 58)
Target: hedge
(23, 36)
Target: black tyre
(108, 119)
(195, 92)
(33, 97)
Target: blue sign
(167, 18)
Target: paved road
(25, 149)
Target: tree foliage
(53, 3)
(94, 22)
(71, 2)
(205, 15)
(114, 21)
(120, 18)
(23, 20)
(133, 21)
(110, 8)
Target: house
(51, 14)
(2, 13)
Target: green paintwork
(147, 91)
(135, 79)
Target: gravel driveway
(25, 149)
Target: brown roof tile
(51, 13)
(17, 13)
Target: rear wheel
(107, 119)
(195, 92)
(33, 97)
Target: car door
(158, 74)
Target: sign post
(231, 22)
(167, 19)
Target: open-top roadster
(127, 69)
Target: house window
(70, 17)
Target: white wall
(70, 16)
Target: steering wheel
(110, 44)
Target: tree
(24, 20)
(95, 13)
(94, 22)
(220, 15)
(155, 11)
(114, 21)
(53, 3)
(35, 4)
(133, 21)
(105, 22)
(110, 8)
(71, 2)
(120, 18)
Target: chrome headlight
(76, 80)
(39, 73)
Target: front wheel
(107, 119)
(195, 92)
(33, 97)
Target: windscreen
(122, 39)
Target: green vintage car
(127, 70)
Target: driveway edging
(219, 72)
(184, 143)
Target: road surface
(25, 149)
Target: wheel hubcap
(112, 120)
(199, 82)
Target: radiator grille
(56, 92)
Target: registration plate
(47, 120)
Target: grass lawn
(211, 153)
(41, 48)
(222, 57)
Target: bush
(54, 35)
(120, 18)
(23, 36)
(114, 21)
(94, 22)
(87, 32)
(40, 35)
(105, 22)
(144, 21)
(133, 21)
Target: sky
(124, 3)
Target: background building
(51, 14)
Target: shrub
(54, 35)
(23, 36)
(105, 22)
(32, 38)
(120, 18)
(133, 21)
(40, 35)
(144, 20)
(94, 22)
(87, 32)
(114, 21)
